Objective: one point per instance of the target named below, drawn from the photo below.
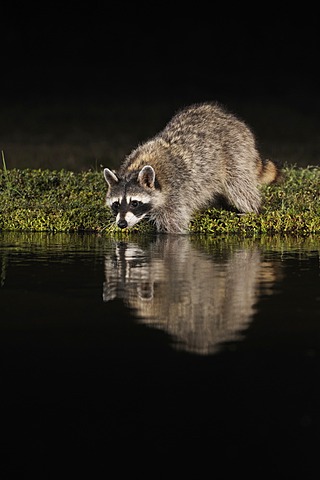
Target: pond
(161, 356)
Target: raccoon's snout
(123, 223)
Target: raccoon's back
(202, 142)
(206, 125)
(201, 137)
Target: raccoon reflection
(200, 300)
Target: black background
(83, 84)
(156, 50)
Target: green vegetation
(290, 208)
(65, 201)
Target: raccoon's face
(129, 208)
(130, 199)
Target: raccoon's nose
(122, 223)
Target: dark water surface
(162, 357)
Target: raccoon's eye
(115, 206)
(135, 203)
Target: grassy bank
(65, 201)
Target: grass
(65, 201)
(7, 180)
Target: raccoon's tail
(270, 172)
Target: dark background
(80, 85)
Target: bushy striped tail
(270, 173)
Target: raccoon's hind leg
(244, 195)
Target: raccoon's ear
(110, 177)
(147, 176)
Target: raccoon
(203, 156)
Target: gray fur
(203, 154)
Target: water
(163, 357)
